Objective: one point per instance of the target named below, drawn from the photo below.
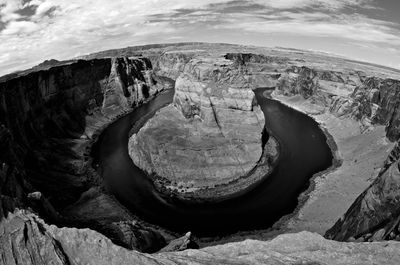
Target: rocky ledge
(209, 137)
(26, 239)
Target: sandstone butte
(210, 136)
(51, 115)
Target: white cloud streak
(63, 29)
(324, 4)
(355, 27)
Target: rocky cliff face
(371, 100)
(48, 121)
(211, 135)
(172, 64)
(379, 100)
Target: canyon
(56, 208)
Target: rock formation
(211, 135)
(372, 100)
(26, 239)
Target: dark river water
(304, 152)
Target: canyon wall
(370, 100)
(48, 121)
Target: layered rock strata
(370, 100)
(49, 120)
(210, 136)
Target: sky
(32, 31)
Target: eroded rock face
(371, 100)
(172, 64)
(211, 134)
(379, 99)
(26, 239)
(48, 120)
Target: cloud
(44, 8)
(324, 4)
(8, 9)
(62, 29)
(20, 27)
(355, 27)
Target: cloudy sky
(34, 30)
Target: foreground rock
(211, 135)
(26, 239)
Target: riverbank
(333, 191)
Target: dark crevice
(60, 252)
(215, 115)
(41, 228)
(25, 233)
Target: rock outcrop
(26, 239)
(212, 133)
(371, 100)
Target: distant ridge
(158, 48)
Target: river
(304, 152)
